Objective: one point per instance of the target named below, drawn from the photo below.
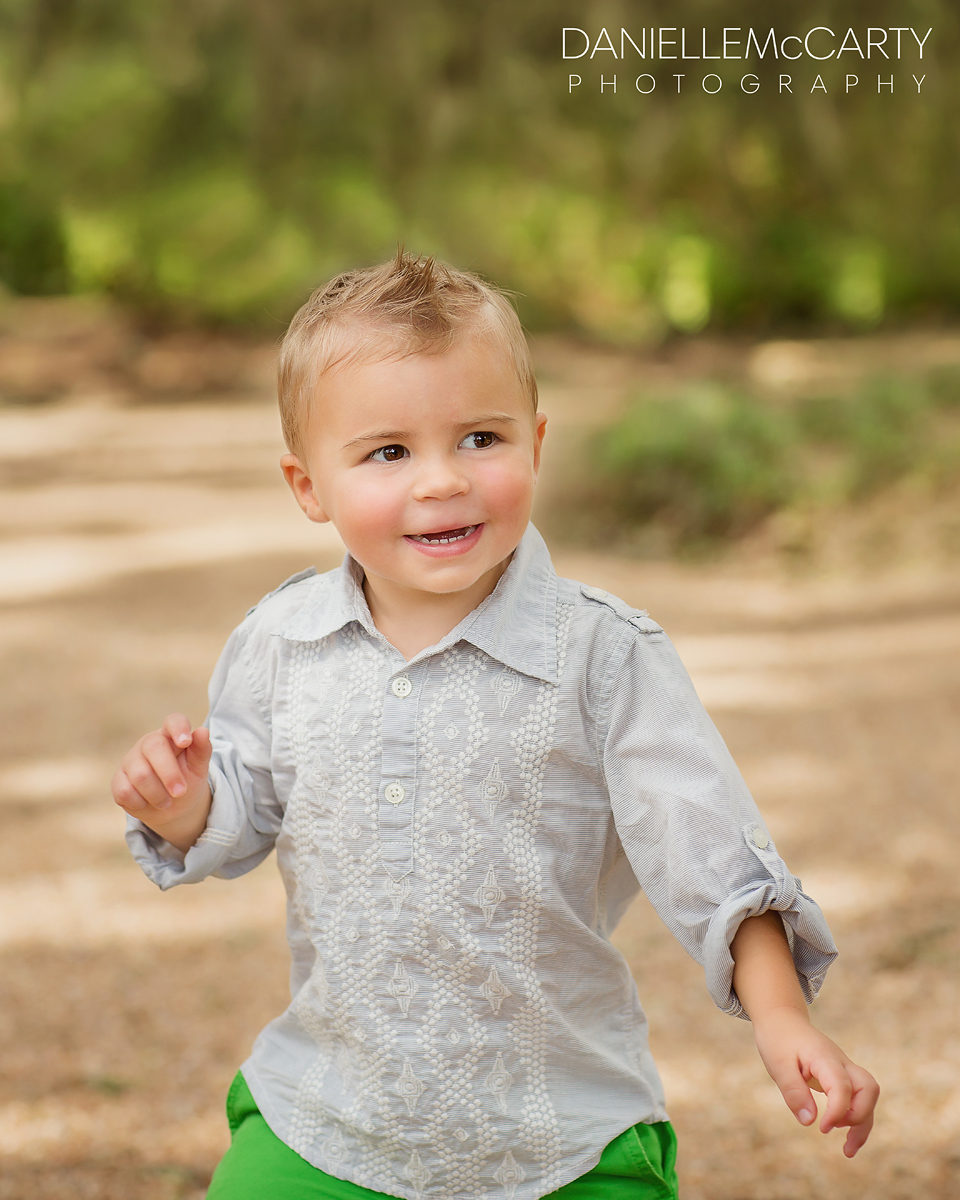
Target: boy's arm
(687, 822)
(227, 819)
(796, 1055)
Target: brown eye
(389, 454)
(479, 441)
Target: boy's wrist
(778, 1013)
(183, 829)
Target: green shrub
(883, 432)
(32, 253)
(710, 463)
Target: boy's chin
(466, 580)
(455, 583)
(445, 579)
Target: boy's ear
(539, 429)
(302, 487)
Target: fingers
(125, 794)
(144, 788)
(158, 770)
(797, 1094)
(852, 1095)
(859, 1116)
(178, 730)
(856, 1136)
(835, 1082)
(161, 757)
(197, 755)
(192, 744)
(814, 1062)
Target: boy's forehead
(391, 350)
(473, 369)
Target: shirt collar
(516, 624)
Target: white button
(395, 792)
(760, 837)
(401, 687)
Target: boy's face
(425, 465)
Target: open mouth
(443, 537)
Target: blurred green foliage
(706, 463)
(33, 255)
(213, 159)
(711, 462)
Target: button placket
(398, 775)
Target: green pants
(638, 1165)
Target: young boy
(467, 766)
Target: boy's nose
(440, 479)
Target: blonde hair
(411, 305)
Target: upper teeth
(452, 537)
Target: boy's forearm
(764, 976)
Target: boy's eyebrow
(402, 435)
(387, 435)
(491, 419)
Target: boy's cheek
(367, 513)
(509, 489)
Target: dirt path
(132, 540)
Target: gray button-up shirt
(458, 835)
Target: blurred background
(745, 313)
(210, 161)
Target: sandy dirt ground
(132, 539)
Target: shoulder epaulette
(639, 618)
(286, 583)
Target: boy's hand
(163, 781)
(798, 1057)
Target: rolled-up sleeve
(245, 815)
(688, 824)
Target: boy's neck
(411, 620)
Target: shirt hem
(261, 1095)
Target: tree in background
(213, 159)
